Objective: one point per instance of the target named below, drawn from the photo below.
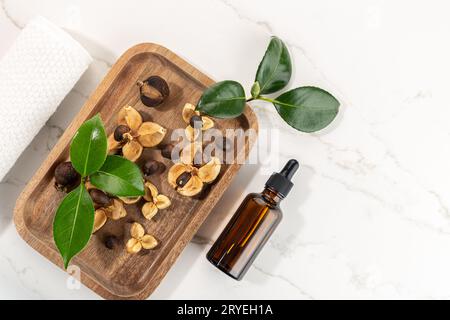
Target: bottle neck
(271, 196)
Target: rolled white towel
(36, 73)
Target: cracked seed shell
(153, 91)
(192, 187)
(189, 112)
(132, 150)
(130, 117)
(99, 219)
(209, 172)
(139, 239)
(155, 201)
(149, 242)
(120, 131)
(130, 200)
(150, 134)
(116, 211)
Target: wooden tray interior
(119, 272)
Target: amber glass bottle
(252, 225)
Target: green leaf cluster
(306, 109)
(117, 176)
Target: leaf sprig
(74, 219)
(306, 109)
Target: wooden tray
(115, 274)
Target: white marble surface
(370, 214)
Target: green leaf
(73, 223)
(225, 99)
(275, 69)
(307, 109)
(120, 177)
(89, 147)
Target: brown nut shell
(148, 242)
(190, 115)
(192, 187)
(209, 172)
(139, 239)
(208, 123)
(116, 211)
(153, 91)
(113, 145)
(174, 172)
(130, 117)
(162, 201)
(151, 134)
(99, 219)
(132, 150)
(120, 131)
(188, 112)
(137, 230)
(149, 210)
(133, 245)
(130, 200)
(151, 192)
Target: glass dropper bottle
(252, 225)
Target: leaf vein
(75, 217)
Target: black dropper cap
(281, 182)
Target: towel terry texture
(36, 73)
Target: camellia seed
(111, 241)
(120, 131)
(152, 166)
(153, 91)
(100, 198)
(166, 151)
(65, 175)
(196, 122)
(183, 179)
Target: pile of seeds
(191, 174)
(186, 175)
(132, 135)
